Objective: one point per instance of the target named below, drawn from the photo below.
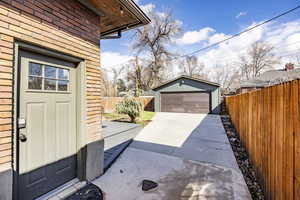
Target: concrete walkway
(187, 154)
(116, 133)
(117, 136)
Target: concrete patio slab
(117, 136)
(189, 155)
(178, 179)
(116, 133)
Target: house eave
(137, 16)
(135, 10)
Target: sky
(208, 21)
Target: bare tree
(111, 84)
(108, 87)
(228, 77)
(190, 66)
(121, 86)
(134, 76)
(259, 59)
(117, 73)
(152, 43)
(298, 59)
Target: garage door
(48, 128)
(185, 102)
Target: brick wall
(65, 26)
(6, 60)
(67, 15)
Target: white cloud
(147, 8)
(192, 37)
(293, 42)
(241, 14)
(111, 60)
(217, 38)
(285, 37)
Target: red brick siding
(62, 25)
(67, 15)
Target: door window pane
(50, 72)
(35, 69)
(49, 84)
(46, 77)
(63, 74)
(63, 85)
(34, 83)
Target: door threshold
(64, 190)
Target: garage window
(48, 78)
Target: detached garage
(188, 95)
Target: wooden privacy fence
(268, 123)
(110, 103)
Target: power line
(242, 32)
(225, 40)
(235, 60)
(278, 54)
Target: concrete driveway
(187, 154)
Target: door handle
(23, 138)
(21, 123)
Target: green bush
(131, 107)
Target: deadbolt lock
(21, 123)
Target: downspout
(108, 37)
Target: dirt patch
(243, 161)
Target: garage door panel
(187, 102)
(195, 98)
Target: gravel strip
(243, 160)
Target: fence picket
(268, 123)
(296, 132)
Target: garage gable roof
(187, 77)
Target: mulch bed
(243, 160)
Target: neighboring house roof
(272, 77)
(254, 83)
(187, 77)
(117, 15)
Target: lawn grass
(144, 119)
(114, 116)
(146, 115)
